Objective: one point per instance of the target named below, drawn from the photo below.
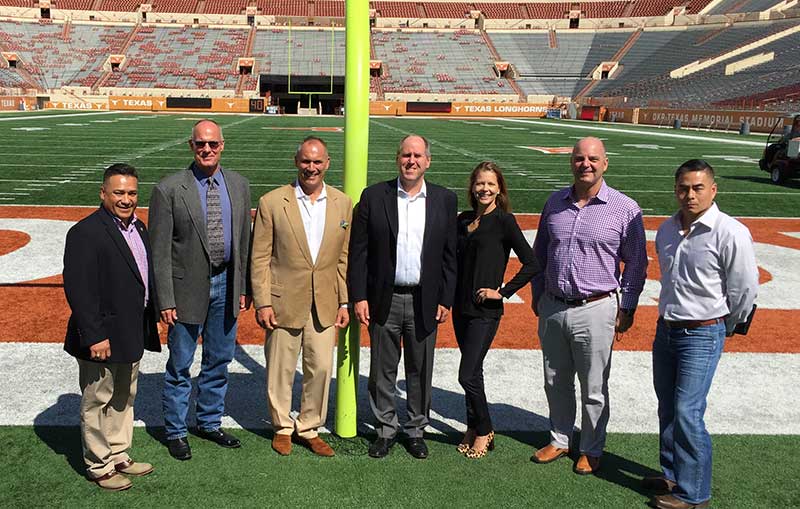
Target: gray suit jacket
(180, 244)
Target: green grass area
(59, 160)
(749, 471)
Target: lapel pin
(344, 224)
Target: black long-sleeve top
(482, 259)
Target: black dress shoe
(380, 447)
(417, 448)
(179, 448)
(219, 437)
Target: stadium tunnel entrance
(325, 94)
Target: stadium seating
(72, 4)
(10, 78)
(54, 62)
(732, 6)
(283, 7)
(119, 5)
(657, 52)
(437, 62)
(311, 51)
(224, 6)
(447, 9)
(183, 57)
(501, 10)
(397, 9)
(174, 5)
(328, 8)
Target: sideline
(634, 131)
(34, 116)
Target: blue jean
(219, 344)
(684, 362)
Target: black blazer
(106, 293)
(373, 252)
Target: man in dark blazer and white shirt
(402, 279)
(108, 281)
(200, 228)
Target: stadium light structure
(356, 141)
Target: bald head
(589, 162)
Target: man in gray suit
(200, 233)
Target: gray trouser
(577, 339)
(384, 358)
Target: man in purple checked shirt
(585, 231)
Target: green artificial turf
(44, 469)
(59, 160)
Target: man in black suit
(402, 281)
(108, 280)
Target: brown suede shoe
(282, 444)
(548, 454)
(587, 465)
(671, 502)
(317, 446)
(113, 481)
(132, 468)
(659, 484)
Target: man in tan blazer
(298, 268)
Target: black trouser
(474, 336)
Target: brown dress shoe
(548, 454)
(282, 444)
(671, 502)
(587, 465)
(132, 468)
(113, 481)
(317, 446)
(658, 483)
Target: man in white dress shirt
(402, 281)
(298, 269)
(709, 281)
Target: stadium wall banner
(760, 121)
(16, 103)
(149, 103)
(77, 104)
(458, 109)
(134, 103)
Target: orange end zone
(37, 311)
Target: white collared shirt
(410, 232)
(709, 271)
(313, 215)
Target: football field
(50, 176)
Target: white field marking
(41, 184)
(6, 198)
(26, 189)
(513, 128)
(547, 132)
(45, 117)
(73, 125)
(581, 137)
(733, 159)
(30, 128)
(646, 146)
(643, 133)
(41, 257)
(16, 194)
(513, 381)
(103, 121)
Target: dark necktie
(216, 237)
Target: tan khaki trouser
(281, 349)
(109, 390)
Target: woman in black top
(486, 235)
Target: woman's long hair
(502, 200)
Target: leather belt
(404, 290)
(216, 271)
(583, 300)
(691, 324)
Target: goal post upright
(356, 141)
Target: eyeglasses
(213, 145)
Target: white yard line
(737, 404)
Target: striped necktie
(216, 236)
